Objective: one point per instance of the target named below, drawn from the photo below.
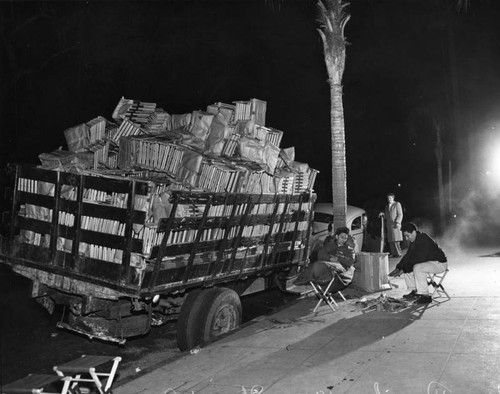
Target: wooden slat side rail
(296, 226)
(54, 234)
(161, 249)
(38, 174)
(279, 238)
(170, 279)
(263, 256)
(199, 232)
(309, 227)
(212, 270)
(128, 233)
(78, 220)
(250, 205)
(39, 200)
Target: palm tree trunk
(439, 162)
(339, 168)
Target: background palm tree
(429, 127)
(332, 19)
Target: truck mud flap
(101, 336)
(113, 330)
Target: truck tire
(212, 313)
(185, 321)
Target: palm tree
(430, 119)
(332, 19)
(438, 151)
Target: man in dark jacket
(424, 256)
(335, 259)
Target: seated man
(423, 256)
(336, 255)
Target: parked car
(323, 223)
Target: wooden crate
(272, 135)
(284, 183)
(97, 129)
(252, 109)
(150, 152)
(231, 145)
(227, 110)
(217, 176)
(304, 181)
(126, 128)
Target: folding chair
(36, 384)
(436, 281)
(79, 370)
(324, 295)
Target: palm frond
(332, 18)
(332, 14)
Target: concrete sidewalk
(449, 346)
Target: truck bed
(101, 236)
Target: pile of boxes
(225, 148)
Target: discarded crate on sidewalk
(372, 270)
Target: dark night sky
(64, 63)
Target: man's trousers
(417, 280)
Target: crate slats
(88, 219)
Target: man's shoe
(423, 299)
(411, 295)
(395, 272)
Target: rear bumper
(91, 335)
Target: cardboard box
(372, 271)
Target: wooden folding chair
(37, 383)
(324, 295)
(436, 281)
(80, 369)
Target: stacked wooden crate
(150, 152)
(140, 112)
(254, 109)
(219, 176)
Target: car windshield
(323, 217)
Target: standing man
(393, 217)
(424, 256)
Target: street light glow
(493, 167)
(489, 155)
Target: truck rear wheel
(207, 315)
